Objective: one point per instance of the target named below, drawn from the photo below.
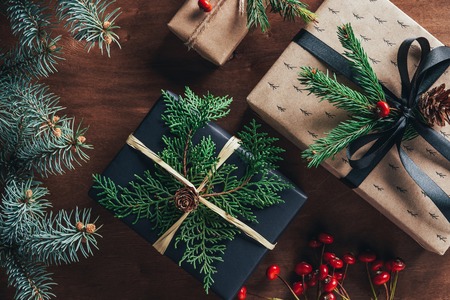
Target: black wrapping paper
(243, 254)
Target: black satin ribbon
(433, 64)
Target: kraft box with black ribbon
(221, 222)
(406, 179)
(214, 34)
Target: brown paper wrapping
(214, 35)
(279, 100)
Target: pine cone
(434, 106)
(186, 199)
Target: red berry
(377, 265)
(367, 257)
(311, 280)
(327, 296)
(298, 288)
(383, 109)
(381, 278)
(242, 294)
(303, 268)
(314, 244)
(349, 258)
(272, 272)
(339, 276)
(336, 263)
(327, 256)
(397, 265)
(326, 238)
(205, 5)
(323, 271)
(330, 284)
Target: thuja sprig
(151, 195)
(288, 9)
(367, 109)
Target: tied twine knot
(189, 194)
(433, 64)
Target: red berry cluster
(329, 275)
(381, 272)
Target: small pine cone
(106, 24)
(80, 226)
(57, 132)
(434, 106)
(81, 139)
(186, 199)
(52, 48)
(28, 194)
(107, 38)
(90, 228)
(56, 119)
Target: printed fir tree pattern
(301, 117)
(152, 194)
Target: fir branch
(88, 21)
(36, 61)
(29, 21)
(336, 140)
(288, 9)
(365, 76)
(58, 240)
(31, 279)
(256, 15)
(329, 89)
(22, 207)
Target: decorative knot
(407, 112)
(186, 199)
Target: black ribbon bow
(433, 64)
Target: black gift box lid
(242, 254)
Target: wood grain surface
(112, 95)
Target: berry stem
(394, 286)
(320, 263)
(370, 281)
(289, 287)
(342, 292)
(386, 290)
(303, 282)
(345, 274)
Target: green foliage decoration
(360, 104)
(288, 9)
(150, 196)
(37, 140)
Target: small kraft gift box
(171, 206)
(382, 28)
(215, 34)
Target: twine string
(228, 149)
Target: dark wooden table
(112, 95)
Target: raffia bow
(164, 240)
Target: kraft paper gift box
(214, 35)
(242, 254)
(279, 99)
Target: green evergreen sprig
(88, 21)
(38, 139)
(288, 9)
(29, 21)
(361, 105)
(150, 196)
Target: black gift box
(242, 254)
